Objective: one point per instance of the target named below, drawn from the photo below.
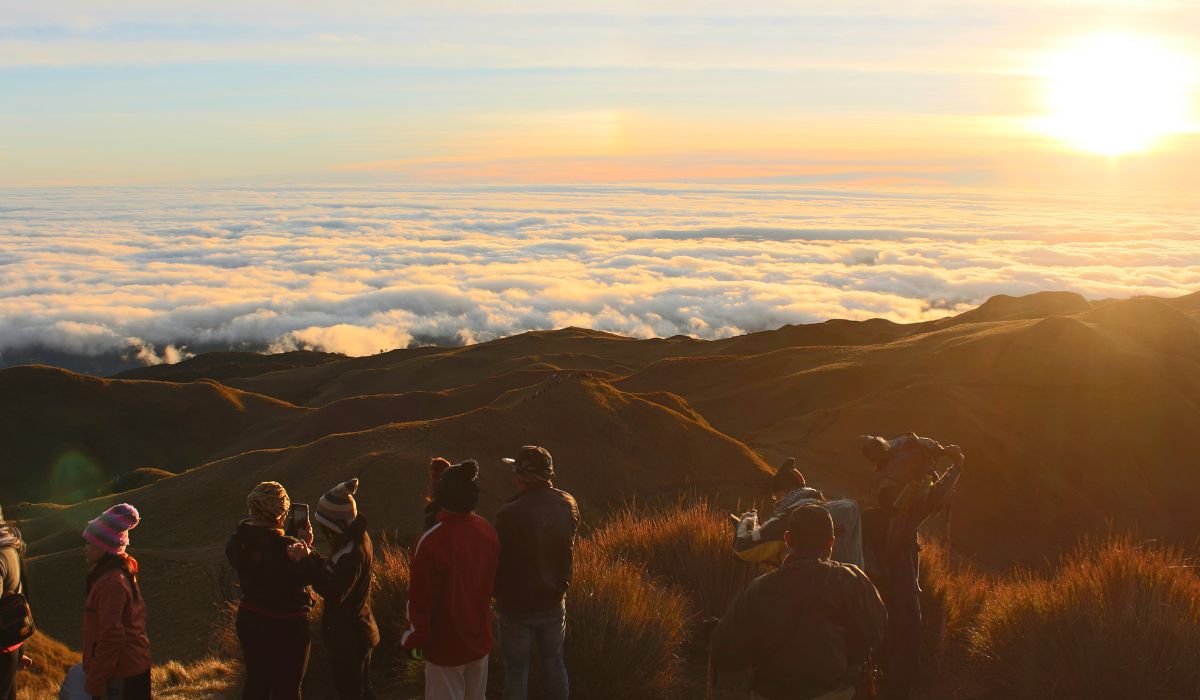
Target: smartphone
(297, 520)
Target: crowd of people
(816, 627)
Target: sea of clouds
(157, 273)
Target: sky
(866, 93)
(369, 174)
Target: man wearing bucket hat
(537, 530)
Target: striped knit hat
(337, 509)
(110, 531)
(268, 502)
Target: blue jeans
(518, 634)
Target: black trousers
(132, 688)
(9, 663)
(276, 654)
(351, 671)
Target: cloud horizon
(157, 273)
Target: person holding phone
(348, 625)
(274, 571)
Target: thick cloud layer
(156, 272)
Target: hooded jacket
(345, 587)
(115, 644)
(272, 584)
(12, 547)
(803, 629)
(450, 589)
(537, 530)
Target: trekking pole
(710, 677)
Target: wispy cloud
(93, 271)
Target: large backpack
(754, 542)
(16, 619)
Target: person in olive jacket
(274, 572)
(348, 625)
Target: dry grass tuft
(1119, 619)
(624, 631)
(687, 545)
(208, 678)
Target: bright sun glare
(1116, 94)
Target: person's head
(268, 504)
(786, 478)
(437, 465)
(532, 467)
(810, 531)
(109, 533)
(875, 449)
(337, 508)
(458, 487)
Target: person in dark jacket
(116, 649)
(274, 572)
(450, 589)
(909, 490)
(12, 556)
(537, 530)
(805, 629)
(348, 625)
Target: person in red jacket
(450, 588)
(116, 649)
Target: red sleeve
(112, 597)
(421, 586)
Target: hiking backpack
(16, 619)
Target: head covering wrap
(268, 502)
(437, 465)
(110, 531)
(458, 487)
(337, 508)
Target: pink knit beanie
(110, 531)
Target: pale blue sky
(149, 92)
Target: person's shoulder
(481, 524)
(564, 496)
(845, 573)
(114, 581)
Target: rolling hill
(1076, 416)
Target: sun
(1115, 94)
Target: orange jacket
(115, 645)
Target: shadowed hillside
(63, 435)
(608, 446)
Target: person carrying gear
(17, 624)
(909, 490)
(764, 542)
(806, 629)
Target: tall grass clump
(687, 545)
(1119, 619)
(624, 631)
(953, 596)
